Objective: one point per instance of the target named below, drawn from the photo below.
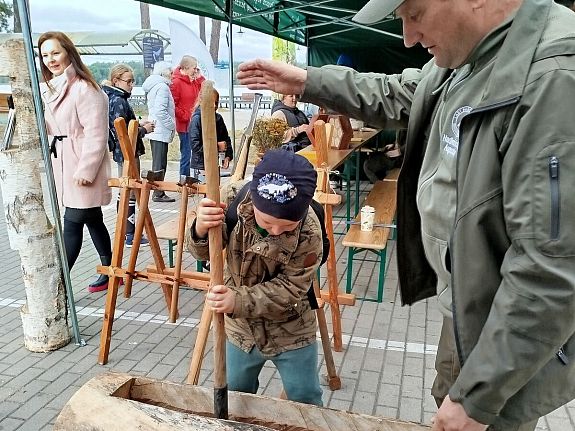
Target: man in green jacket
(490, 133)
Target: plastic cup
(367, 218)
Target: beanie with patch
(283, 185)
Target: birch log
(44, 314)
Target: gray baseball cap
(376, 10)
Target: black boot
(102, 282)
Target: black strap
(53, 144)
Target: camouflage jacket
(271, 277)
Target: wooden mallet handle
(208, 116)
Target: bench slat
(169, 229)
(383, 198)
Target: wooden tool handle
(208, 116)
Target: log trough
(122, 402)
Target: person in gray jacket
(484, 201)
(161, 111)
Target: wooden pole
(323, 182)
(333, 379)
(200, 345)
(138, 231)
(179, 253)
(208, 118)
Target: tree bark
(44, 315)
(215, 39)
(203, 28)
(145, 15)
(145, 24)
(17, 21)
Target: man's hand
(208, 215)
(226, 163)
(222, 146)
(221, 299)
(272, 75)
(452, 417)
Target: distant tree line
(101, 70)
(5, 13)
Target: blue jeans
(185, 153)
(297, 368)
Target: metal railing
(239, 102)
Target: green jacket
(512, 247)
(271, 277)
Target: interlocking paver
(384, 367)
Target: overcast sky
(109, 15)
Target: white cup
(367, 218)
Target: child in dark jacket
(195, 133)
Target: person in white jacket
(161, 111)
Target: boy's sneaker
(130, 241)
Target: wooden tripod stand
(170, 279)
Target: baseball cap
(376, 10)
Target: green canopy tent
(324, 26)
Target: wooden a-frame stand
(170, 278)
(324, 197)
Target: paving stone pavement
(386, 365)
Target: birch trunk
(44, 315)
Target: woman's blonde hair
(187, 61)
(116, 72)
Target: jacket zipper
(562, 356)
(554, 182)
(453, 308)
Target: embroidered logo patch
(276, 188)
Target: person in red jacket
(186, 83)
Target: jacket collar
(116, 91)
(59, 86)
(179, 75)
(278, 104)
(513, 63)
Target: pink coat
(76, 109)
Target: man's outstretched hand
(272, 75)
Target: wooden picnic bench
(4, 107)
(382, 197)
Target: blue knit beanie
(283, 185)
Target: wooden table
(336, 158)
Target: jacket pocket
(555, 197)
(553, 173)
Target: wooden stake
(208, 118)
(200, 345)
(332, 378)
(321, 147)
(179, 253)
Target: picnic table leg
(347, 175)
(357, 179)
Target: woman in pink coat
(76, 112)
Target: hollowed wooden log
(121, 402)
